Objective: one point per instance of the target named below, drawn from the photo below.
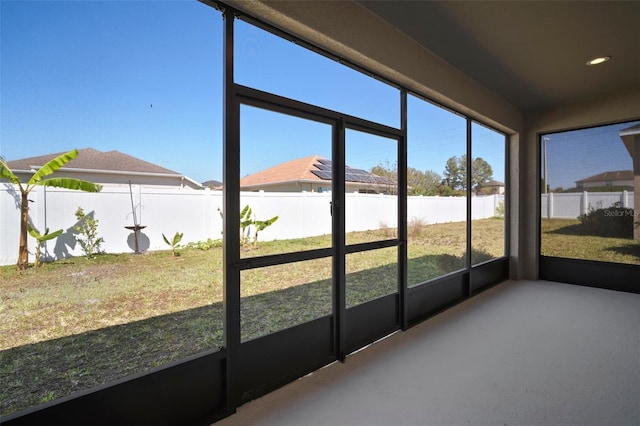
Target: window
(488, 200)
(290, 70)
(585, 214)
(141, 95)
(283, 163)
(436, 205)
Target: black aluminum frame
(210, 386)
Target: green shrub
(614, 221)
(205, 244)
(87, 229)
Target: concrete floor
(522, 353)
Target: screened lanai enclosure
(294, 306)
(332, 201)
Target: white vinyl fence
(195, 213)
(572, 204)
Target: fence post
(549, 205)
(624, 201)
(584, 206)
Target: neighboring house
(631, 138)
(212, 184)
(621, 178)
(313, 174)
(491, 187)
(111, 168)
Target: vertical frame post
(506, 197)
(402, 214)
(231, 218)
(338, 224)
(469, 167)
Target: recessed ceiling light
(598, 60)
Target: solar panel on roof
(325, 170)
(322, 174)
(359, 171)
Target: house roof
(492, 183)
(309, 169)
(294, 170)
(215, 184)
(609, 176)
(92, 159)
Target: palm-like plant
(41, 238)
(174, 243)
(38, 179)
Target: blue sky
(578, 154)
(85, 74)
(146, 79)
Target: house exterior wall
(293, 187)
(121, 180)
(491, 189)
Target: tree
(432, 183)
(38, 179)
(418, 182)
(455, 173)
(389, 171)
(481, 172)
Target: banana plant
(174, 243)
(38, 179)
(41, 238)
(260, 225)
(245, 225)
(247, 219)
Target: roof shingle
(294, 170)
(609, 176)
(89, 158)
(309, 169)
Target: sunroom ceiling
(533, 54)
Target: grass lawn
(77, 323)
(566, 238)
